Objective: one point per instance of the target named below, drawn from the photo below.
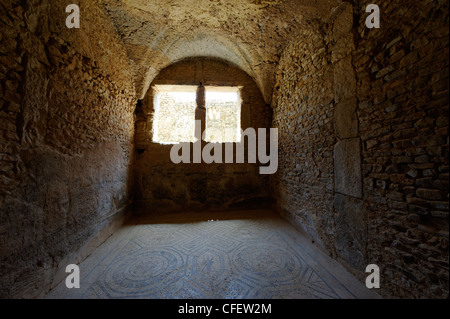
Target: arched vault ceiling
(248, 33)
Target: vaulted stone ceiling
(248, 33)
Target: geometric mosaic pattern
(226, 255)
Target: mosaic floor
(238, 255)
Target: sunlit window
(174, 117)
(223, 110)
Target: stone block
(431, 194)
(343, 48)
(351, 225)
(347, 167)
(344, 80)
(343, 22)
(346, 121)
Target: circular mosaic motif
(143, 271)
(266, 262)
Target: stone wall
(164, 186)
(66, 133)
(402, 89)
(363, 119)
(303, 113)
